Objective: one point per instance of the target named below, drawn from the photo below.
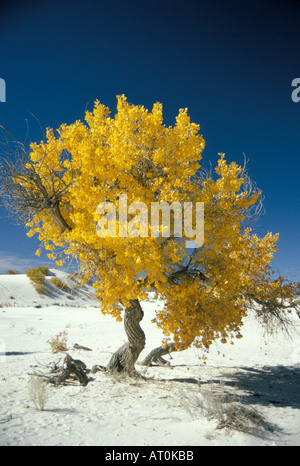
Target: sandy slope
(17, 291)
(165, 409)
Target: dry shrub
(242, 418)
(39, 287)
(37, 276)
(59, 342)
(37, 391)
(229, 412)
(59, 284)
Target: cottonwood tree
(57, 185)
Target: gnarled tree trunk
(156, 355)
(124, 359)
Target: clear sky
(230, 62)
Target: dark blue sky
(231, 62)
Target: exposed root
(72, 369)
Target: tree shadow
(17, 353)
(182, 380)
(62, 410)
(265, 386)
(51, 291)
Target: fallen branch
(71, 369)
(80, 347)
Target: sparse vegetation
(60, 284)
(229, 412)
(242, 418)
(30, 331)
(39, 287)
(37, 391)
(59, 342)
(37, 276)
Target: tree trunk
(124, 359)
(58, 218)
(156, 355)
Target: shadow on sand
(265, 386)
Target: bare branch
(25, 191)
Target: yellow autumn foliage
(206, 290)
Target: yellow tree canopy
(134, 156)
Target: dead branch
(70, 370)
(25, 191)
(80, 347)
